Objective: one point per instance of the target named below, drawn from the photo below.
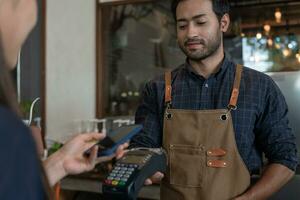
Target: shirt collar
(217, 75)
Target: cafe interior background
(90, 59)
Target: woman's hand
(74, 161)
(71, 158)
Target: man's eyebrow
(194, 17)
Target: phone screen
(117, 137)
(106, 143)
(113, 138)
(122, 132)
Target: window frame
(101, 25)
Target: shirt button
(206, 85)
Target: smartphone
(116, 137)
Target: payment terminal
(129, 173)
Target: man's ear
(225, 22)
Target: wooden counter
(91, 182)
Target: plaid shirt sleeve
(273, 134)
(149, 115)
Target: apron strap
(168, 88)
(236, 88)
(234, 94)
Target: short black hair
(220, 7)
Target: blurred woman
(21, 172)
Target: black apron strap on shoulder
(236, 87)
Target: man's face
(17, 19)
(199, 32)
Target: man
(215, 118)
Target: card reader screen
(133, 159)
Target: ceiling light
(278, 15)
(258, 35)
(267, 28)
(270, 42)
(286, 52)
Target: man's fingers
(121, 154)
(148, 182)
(156, 178)
(123, 146)
(121, 150)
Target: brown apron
(203, 159)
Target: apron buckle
(167, 114)
(231, 107)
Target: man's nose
(192, 31)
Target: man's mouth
(193, 45)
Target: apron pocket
(186, 165)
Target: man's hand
(272, 179)
(119, 153)
(156, 178)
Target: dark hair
(220, 7)
(8, 96)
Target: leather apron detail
(202, 151)
(216, 152)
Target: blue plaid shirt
(260, 121)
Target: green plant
(25, 108)
(56, 146)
